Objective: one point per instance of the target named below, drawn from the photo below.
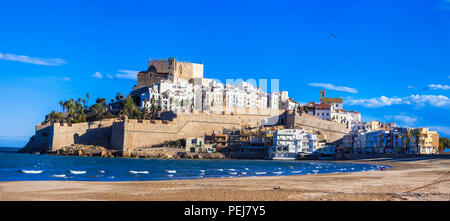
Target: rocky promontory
(150, 153)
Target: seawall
(130, 134)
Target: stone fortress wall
(169, 69)
(97, 133)
(331, 129)
(129, 134)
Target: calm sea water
(24, 167)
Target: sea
(34, 167)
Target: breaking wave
(60, 176)
(32, 171)
(77, 172)
(136, 172)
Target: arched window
(152, 68)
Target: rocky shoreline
(150, 153)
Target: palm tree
(101, 101)
(62, 107)
(87, 98)
(119, 96)
(65, 105)
(418, 136)
(408, 140)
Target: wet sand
(391, 184)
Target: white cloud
(127, 74)
(32, 60)
(441, 129)
(97, 75)
(109, 76)
(419, 100)
(439, 87)
(402, 118)
(334, 88)
(411, 87)
(66, 78)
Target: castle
(169, 69)
(168, 82)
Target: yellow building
(428, 141)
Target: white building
(324, 111)
(288, 143)
(349, 118)
(169, 95)
(209, 94)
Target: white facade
(181, 94)
(324, 111)
(349, 118)
(288, 143)
(169, 95)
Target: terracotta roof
(332, 100)
(323, 105)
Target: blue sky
(389, 60)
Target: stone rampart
(130, 134)
(333, 130)
(148, 133)
(94, 133)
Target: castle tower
(169, 69)
(322, 96)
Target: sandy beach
(393, 184)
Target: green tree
(119, 96)
(444, 142)
(129, 106)
(98, 110)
